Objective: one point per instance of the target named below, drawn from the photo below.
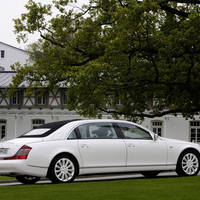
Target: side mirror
(155, 137)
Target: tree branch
(174, 11)
(121, 4)
(181, 1)
(51, 40)
(161, 114)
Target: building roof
(6, 78)
(37, 113)
(11, 46)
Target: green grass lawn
(159, 188)
(2, 178)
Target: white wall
(17, 125)
(12, 55)
(173, 127)
(177, 128)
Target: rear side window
(134, 132)
(99, 130)
(72, 136)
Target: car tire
(150, 174)
(27, 179)
(63, 169)
(188, 163)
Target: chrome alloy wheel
(64, 169)
(190, 164)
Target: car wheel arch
(185, 151)
(63, 154)
(188, 149)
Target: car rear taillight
(21, 154)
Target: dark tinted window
(134, 132)
(72, 136)
(2, 54)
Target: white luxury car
(63, 150)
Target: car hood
(11, 147)
(174, 141)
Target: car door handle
(130, 145)
(84, 146)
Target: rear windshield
(37, 132)
(45, 129)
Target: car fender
(43, 153)
(176, 147)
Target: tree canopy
(144, 54)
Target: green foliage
(112, 50)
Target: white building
(20, 114)
(10, 55)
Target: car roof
(53, 126)
(56, 125)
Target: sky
(12, 9)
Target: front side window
(97, 131)
(134, 132)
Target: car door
(100, 148)
(143, 153)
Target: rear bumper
(20, 167)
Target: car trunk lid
(11, 147)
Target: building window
(37, 122)
(2, 129)
(118, 101)
(41, 98)
(2, 54)
(157, 127)
(195, 131)
(64, 97)
(17, 99)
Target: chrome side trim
(136, 166)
